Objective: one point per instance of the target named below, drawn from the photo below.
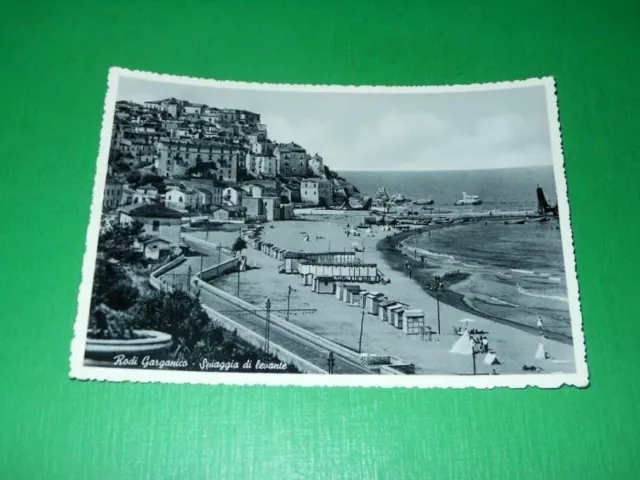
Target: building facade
(312, 191)
(180, 199)
(292, 160)
(112, 194)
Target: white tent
(541, 352)
(463, 346)
(491, 359)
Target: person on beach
(539, 323)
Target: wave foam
(541, 295)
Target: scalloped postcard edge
(79, 371)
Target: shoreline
(396, 258)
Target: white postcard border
(544, 380)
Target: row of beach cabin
(398, 314)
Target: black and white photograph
(272, 234)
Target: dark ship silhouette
(544, 208)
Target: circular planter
(154, 343)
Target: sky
(385, 131)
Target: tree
(122, 295)
(112, 286)
(176, 313)
(117, 241)
(134, 178)
(239, 245)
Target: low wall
(220, 269)
(165, 268)
(189, 238)
(258, 342)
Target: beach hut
(363, 297)
(397, 313)
(323, 284)
(266, 247)
(413, 322)
(307, 279)
(383, 309)
(352, 294)
(371, 302)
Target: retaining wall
(257, 341)
(219, 269)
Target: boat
(469, 200)
(398, 198)
(423, 201)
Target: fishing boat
(469, 200)
(423, 201)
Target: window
(180, 199)
(156, 225)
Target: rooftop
(152, 210)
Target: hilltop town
(200, 160)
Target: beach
(325, 315)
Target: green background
(54, 59)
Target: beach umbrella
(467, 320)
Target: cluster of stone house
(223, 201)
(172, 138)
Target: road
(256, 322)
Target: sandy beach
(340, 322)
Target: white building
(266, 165)
(232, 195)
(311, 191)
(180, 199)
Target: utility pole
(474, 352)
(238, 290)
(331, 362)
(189, 279)
(267, 327)
(219, 252)
(288, 301)
(361, 329)
(437, 279)
(201, 261)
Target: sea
(516, 271)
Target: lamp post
(267, 327)
(361, 330)
(438, 288)
(331, 362)
(475, 350)
(238, 289)
(290, 289)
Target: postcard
(272, 234)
